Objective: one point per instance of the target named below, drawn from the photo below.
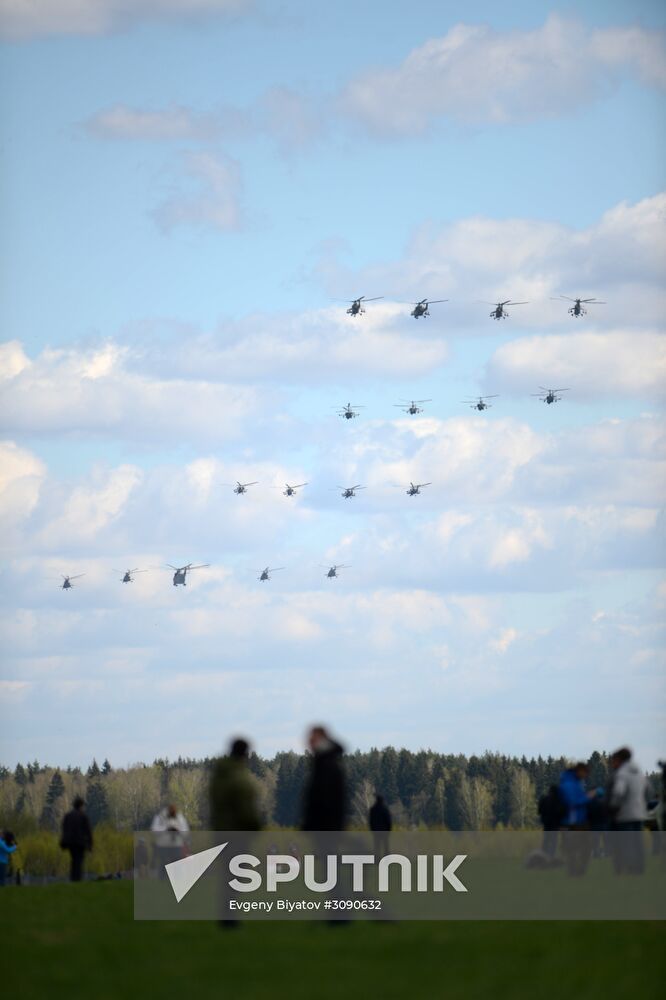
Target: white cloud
(29, 18)
(90, 508)
(95, 390)
(619, 259)
(211, 199)
(592, 365)
(479, 75)
(21, 478)
(173, 123)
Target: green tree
(55, 791)
(97, 805)
(106, 766)
(388, 775)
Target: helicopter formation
(348, 412)
(499, 310)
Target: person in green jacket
(233, 797)
(233, 794)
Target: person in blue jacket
(7, 847)
(575, 799)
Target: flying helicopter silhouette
(499, 308)
(356, 307)
(349, 411)
(549, 395)
(242, 487)
(67, 584)
(180, 573)
(266, 573)
(421, 307)
(412, 405)
(129, 574)
(414, 489)
(333, 570)
(348, 491)
(480, 403)
(578, 307)
(290, 491)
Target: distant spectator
(170, 830)
(233, 794)
(325, 805)
(7, 847)
(552, 811)
(379, 820)
(628, 801)
(576, 841)
(76, 837)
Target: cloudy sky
(191, 188)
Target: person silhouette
(76, 837)
(379, 820)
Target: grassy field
(81, 941)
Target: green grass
(75, 941)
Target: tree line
(423, 788)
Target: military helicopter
(266, 573)
(349, 491)
(415, 488)
(412, 406)
(421, 307)
(67, 584)
(333, 570)
(549, 395)
(356, 309)
(349, 411)
(499, 308)
(242, 487)
(480, 403)
(290, 491)
(128, 575)
(181, 572)
(577, 309)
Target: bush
(40, 853)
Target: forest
(423, 789)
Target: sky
(192, 192)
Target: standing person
(234, 806)
(552, 812)
(627, 804)
(325, 804)
(576, 839)
(7, 847)
(170, 830)
(379, 820)
(233, 793)
(76, 837)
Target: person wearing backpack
(576, 845)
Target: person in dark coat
(325, 804)
(379, 820)
(76, 837)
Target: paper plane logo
(187, 872)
